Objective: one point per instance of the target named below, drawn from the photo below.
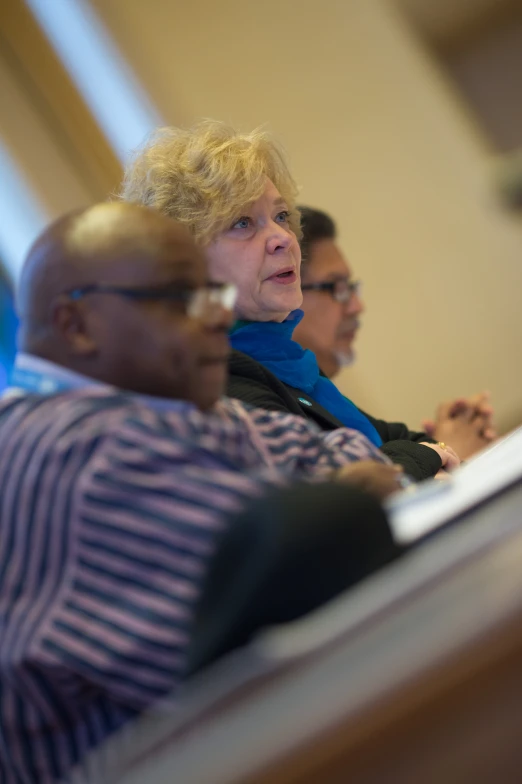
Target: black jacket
(252, 383)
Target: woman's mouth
(284, 277)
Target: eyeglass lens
(206, 302)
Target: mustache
(348, 326)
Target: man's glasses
(203, 302)
(342, 289)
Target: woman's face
(261, 255)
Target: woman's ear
(71, 325)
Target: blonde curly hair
(204, 176)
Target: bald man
(120, 477)
(99, 293)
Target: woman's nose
(278, 238)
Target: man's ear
(70, 322)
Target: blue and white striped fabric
(109, 513)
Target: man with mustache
(332, 308)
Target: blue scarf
(271, 344)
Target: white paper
(414, 513)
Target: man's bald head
(132, 272)
(85, 247)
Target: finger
(448, 449)
(391, 471)
(389, 486)
(490, 434)
(447, 454)
(467, 413)
(486, 422)
(481, 402)
(458, 407)
(442, 475)
(485, 414)
(462, 408)
(444, 411)
(478, 424)
(472, 406)
(428, 426)
(479, 398)
(452, 459)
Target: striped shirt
(110, 511)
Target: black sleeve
(396, 431)
(402, 446)
(283, 556)
(251, 382)
(419, 461)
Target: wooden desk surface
(415, 676)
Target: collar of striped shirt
(40, 376)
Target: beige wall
(377, 138)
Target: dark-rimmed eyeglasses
(199, 302)
(342, 289)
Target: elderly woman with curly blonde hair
(206, 177)
(237, 196)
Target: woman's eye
(242, 223)
(283, 216)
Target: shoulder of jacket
(240, 364)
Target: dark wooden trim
(43, 79)
(458, 723)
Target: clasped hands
(465, 424)
(462, 427)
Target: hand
(379, 479)
(449, 457)
(466, 424)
